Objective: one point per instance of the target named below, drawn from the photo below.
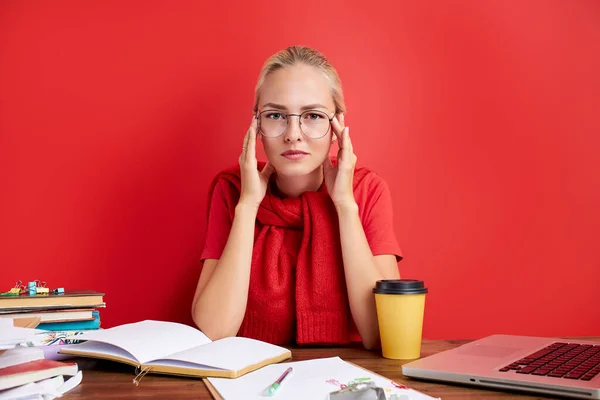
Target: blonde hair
(300, 54)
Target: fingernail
(342, 117)
(348, 130)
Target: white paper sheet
(47, 389)
(35, 390)
(10, 335)
(6, 323)
(149, 340)
(308, 381)
(29, 391)
(71, 383)
(20, 355)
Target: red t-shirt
(375, 212)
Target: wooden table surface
(111, 380)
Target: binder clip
(58, 290)
(40, 287)
(16, 290)
(32, 288)
(359, 390)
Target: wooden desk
(109, 380)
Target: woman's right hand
(254, 182)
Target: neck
(296, 185)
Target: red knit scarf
(308, 292)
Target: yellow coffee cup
(400, 308)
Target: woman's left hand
(338, 179)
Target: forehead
(295, 87)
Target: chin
(293, 169)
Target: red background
(482, 116)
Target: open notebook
(310, 379)
(177, 349)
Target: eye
(274, 116)
(314, 116)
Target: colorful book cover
(73, 325)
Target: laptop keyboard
(561, 360)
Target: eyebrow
(304, 108)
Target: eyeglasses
(314, 124)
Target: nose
(292, 132)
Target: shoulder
(368, 181)
(371, 193)
(230, 177)
(225, 184)
(227, 177)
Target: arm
(221, 295)
(362, 270)
(222, 292)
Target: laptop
(559, 367)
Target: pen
(273, 388)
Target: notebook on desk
(565, 368)
(171, 348)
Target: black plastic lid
(400, 286)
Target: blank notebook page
(308, 381)
(232, 353)
(148, 340)
(102, 348)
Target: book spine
(72, 326)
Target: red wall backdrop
(482, 116)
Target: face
(293, 90)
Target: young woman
(295, 246)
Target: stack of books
(75, 310)
(26, 374)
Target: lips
(293, 153)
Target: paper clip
(399, 385)
(140, 375)
(337, 383)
